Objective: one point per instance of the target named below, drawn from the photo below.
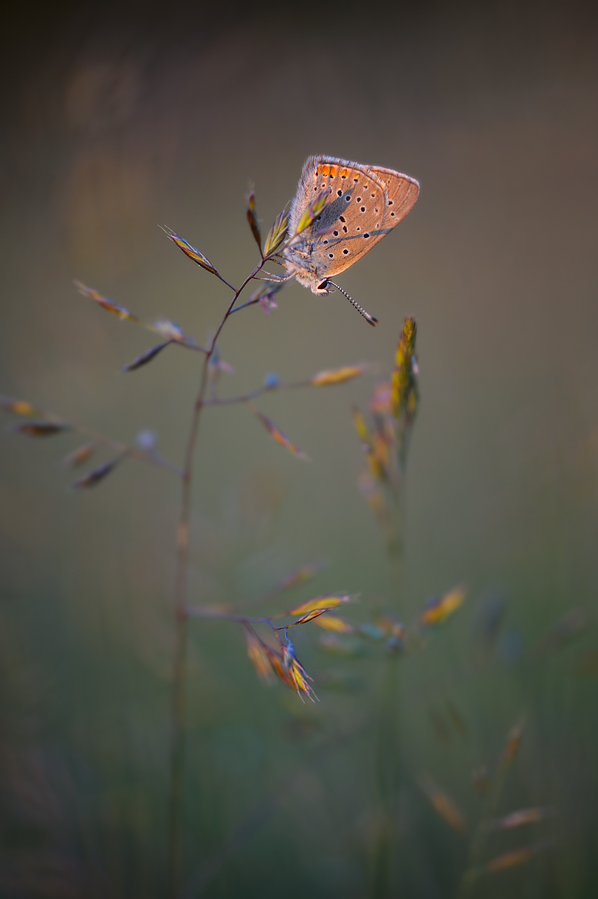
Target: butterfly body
(364, 204)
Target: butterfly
(363, 204)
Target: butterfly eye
(323, 285)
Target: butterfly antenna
(369, 318)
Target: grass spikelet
(404, 376)
(521, 818)
(334, 623)
(514, 858)
(106, 304)
(252, 219)
(439, 610)
(363, 432)
(17, 407)
(79, 456)
(296, 673)
(284, 664)
(166, 328)
(172, 332)
(373, 447)
(97, 475)
(513, 743)
(145, 357)
(277, 434)
(320, 602)
(192, 252)
(41, 428)
(337, 375)
(312, 211)
(443, 804)
(277, 233)
(374, 497)
(390, 627)
(258, 655)
(310, 616)
(300, 575)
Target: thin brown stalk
(387, 771)
(388, 762)
(480, 836)
(246, 397)
(178, 701)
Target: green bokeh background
(119, 118)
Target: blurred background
(120, 117)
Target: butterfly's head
(307, 277)
(322, 288)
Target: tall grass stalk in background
(385, 442)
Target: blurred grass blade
(513, 742)
(443, 804)
(337, 375)
(438, 610)
(489, 616)
(277, 434)
(334, 623)
(173, 332)
(521, 818)
(320, 602)
(439, 726)
(300, 575)
(515, 857)
(80, 455)
(106, 304)
(363, 432)
(252, 219)
(17, 407)
(196, 255)
(390, 626)
(346, 647)
(98, 474)
(146, 357)
(167, 329)
(258, 656)
(456, 717)
(42, 428)
(375, 498)
(566, 629)
(480, 779)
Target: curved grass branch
(149, 457)
(178, 702)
